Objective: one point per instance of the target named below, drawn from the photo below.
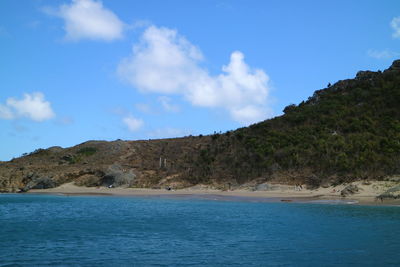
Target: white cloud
(395, 24)
(249, 114)
(144, 108)
(382, 54)
(165, 62)
(138, 24)
(133, 124)
(32, 106)
(6, 113)
(89, 19)
(162, 62)
(167, 105)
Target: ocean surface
(51, 230)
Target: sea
(57, 230)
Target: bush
(87, 151)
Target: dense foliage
(348, 131)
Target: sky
(78, 70)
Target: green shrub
(87, 151)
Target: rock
(392, 193)
(117, 176)
(325, 184)
(365, 75)
(39, 183)
(349, 190)
(44, 183)
(395, 65)
(67, 157)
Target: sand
(276, 193)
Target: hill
(348, 131)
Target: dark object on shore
(392, 193)
(36, 182)
(286, 200)
(349, 190)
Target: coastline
(280, 193)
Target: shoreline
(283, 193)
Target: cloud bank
(382, 54)
(165, 62)
(395, 24)
(167, 104)
(133, 124)
(32, 106)
(89, 19)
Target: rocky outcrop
(366, 75)
(349, 190)
(395, 65)
(392, 193)
(39, 183)
(116, 175)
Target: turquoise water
(116, 231)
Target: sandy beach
(276, 193)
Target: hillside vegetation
(348, 131)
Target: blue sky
(72, 71)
